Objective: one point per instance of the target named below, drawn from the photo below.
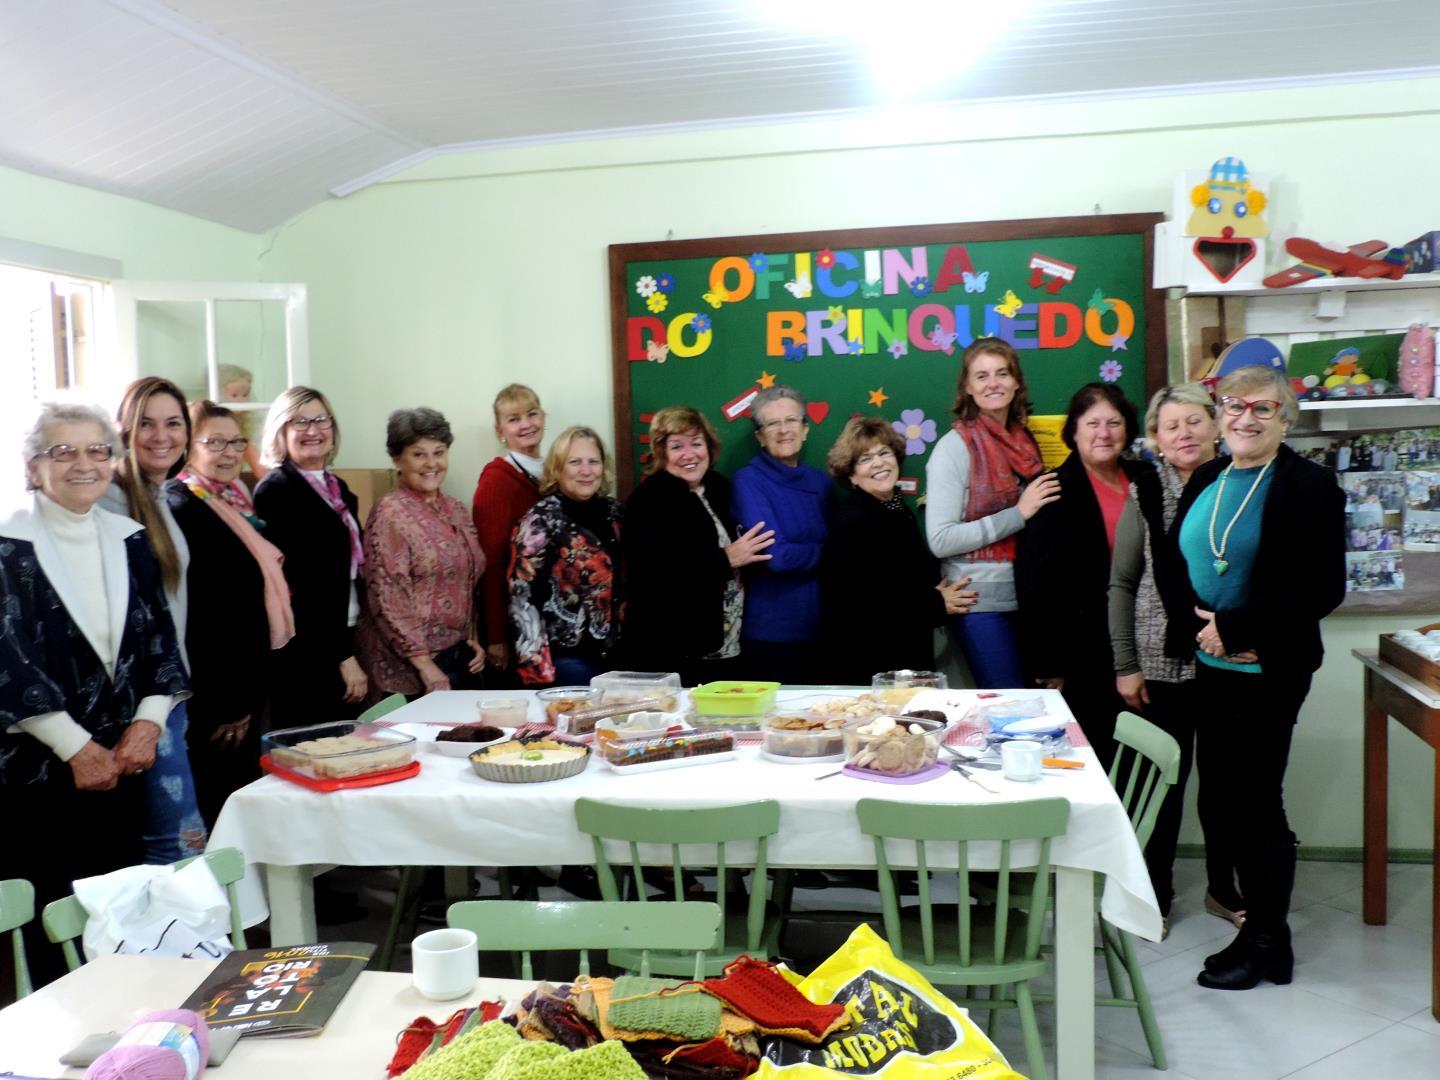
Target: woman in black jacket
(312, 517)
(1062, 565)
(684, 601)
(1263, 540)
(877, 562)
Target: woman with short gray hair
(422, 560)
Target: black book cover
(287, 991)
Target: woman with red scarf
(984, 481)
(239, 607)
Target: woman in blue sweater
(782, 596)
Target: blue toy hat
(1230, 173)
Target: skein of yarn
(168, 1044)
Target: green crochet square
(528, 1061)
(688, 1015)
(471, 1055)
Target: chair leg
(1030, 1029)
(403, 893)
(992, 1015)
(1143, 1005)
(502, 882)
(1113, 967)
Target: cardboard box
(1422, 255)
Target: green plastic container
(734, 697)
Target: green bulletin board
(874, 321)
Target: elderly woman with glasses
(1262, 536)
(239, 606)
(312, 517)
(776, 491)
(91, 666)
(422, 562)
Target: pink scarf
(327, 486)
(1001, 460)
(229, 502)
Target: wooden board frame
(1143, 224)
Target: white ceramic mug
(1020, 759)
(445, 963)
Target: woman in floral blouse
(422, 560)
(564, 571)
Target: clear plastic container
(863, 706)
(339, 751)
(805, 736)
(896, 688)
(695, 746)
(560, 700)
(896, 747)
(502, 712)
(635, 686)
(730, 697)
(639, 725)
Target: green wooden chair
(64, 919)
(17, 907)
(993, 947)
(629, 927)
(748, 932)
(382, 708)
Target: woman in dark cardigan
(312, 517)
(1262, 536)
(684, 599)
(876, 562)
(1062, 566)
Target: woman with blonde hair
(565, 605)
(684, 603)
(508, 486)
(312, 517)
(155, 433)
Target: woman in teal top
(1263, 539)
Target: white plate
(464, 749)
(672, 763)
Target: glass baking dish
(339, 750)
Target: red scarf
(1002, 460)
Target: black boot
(1256, 956)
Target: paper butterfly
(870, 289)
(800, 287)
(1010, 306)
(943, 341)
(716, 298)
(657, 352)
(976, 282)
(794, 352)
(1099, 303)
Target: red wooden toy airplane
(1317, 260)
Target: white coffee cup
(1020, 759)
(445, 963)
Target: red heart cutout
(817, 411)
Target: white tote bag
(156, 910)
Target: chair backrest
(1146, 767)
(381, 708)
(505, 925)
(17, 907)
(64, 919)
(961, 824)
(701, 825)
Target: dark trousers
(1090, 692)
(796, 663)
(220, 770)
(1173, 709)
(1243, 735)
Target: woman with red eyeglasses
(1262, 535)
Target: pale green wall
(472, 270)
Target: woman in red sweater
(508, 487)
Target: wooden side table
(1390, 692)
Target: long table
(110, 992)
(448, 816)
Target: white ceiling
(249, 111)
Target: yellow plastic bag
(901, 1027)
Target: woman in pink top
(422, 560)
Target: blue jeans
(174, 829)
(987, 638)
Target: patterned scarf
(234, 493)
(1002, 459)
(327, 486)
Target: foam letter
(919, 335)
(1010, 328)
(825, 282)
(1051, 314)
(877, 327)
(681, 323)
(1124, 322)
(953, 268)
(780, 325)
(745, 283)
(635, 338)
(777, 270)
(918, 266)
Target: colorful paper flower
(1111, 370)
(855, 347)
(665, 282)
(899, 349)
(759, 263)
(915, 430)
(920, 285)
(657, 302)
(701, 323)
(645, 286)
(836, 313)
(825, 257)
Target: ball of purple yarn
(152, 1062)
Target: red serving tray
(388, 776)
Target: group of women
(155, 610)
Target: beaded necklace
(1222, 564)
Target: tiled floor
(1359, 1005)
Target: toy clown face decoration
(1226, 206)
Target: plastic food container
(639, 725)
(634, 686)
(530, 761)
(339, 751)
(897, 745)
(799, 737)
(668, 751)
(734, 698)
(503, 712)
(896, 688)
(559, 700)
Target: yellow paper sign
(1046, 430)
